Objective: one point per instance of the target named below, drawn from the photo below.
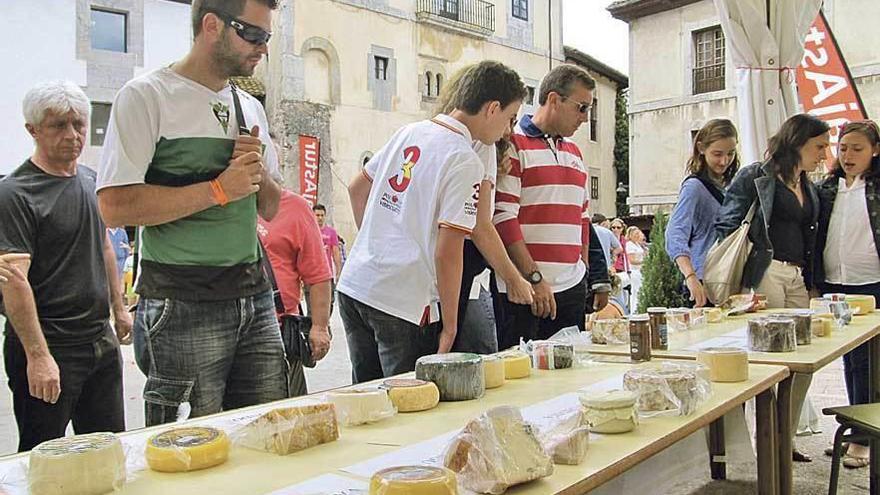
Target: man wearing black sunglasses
(543, 218)
(181, 162)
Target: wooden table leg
(874, 394)
(717, 460)
(766, 439)
(785, 435)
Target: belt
(790, 263)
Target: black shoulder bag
(294, 328)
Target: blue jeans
(476, 333)
(215, 355)
(382, 345)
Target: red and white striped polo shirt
(544, 201)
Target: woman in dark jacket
(783, 230)
(848, 258)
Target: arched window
(439, 85)
(429, 83)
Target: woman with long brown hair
(848, 258)
(783, 229)
(691, 229)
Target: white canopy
(765, 55)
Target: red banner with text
(825, 85)
(309, 159)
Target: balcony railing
(709, 78)
(476, 16)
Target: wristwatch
(535, 277)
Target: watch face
(535, 277)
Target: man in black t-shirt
(61, 354)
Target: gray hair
(60, 97)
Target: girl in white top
(849, 229)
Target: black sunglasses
(582, 107)
(248, 32)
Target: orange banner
(825, 85)
(309, 159)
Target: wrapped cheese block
(493, 370)
(678, 319)
(612, 411)
(772, 335)
(412, 395)
(517, 364)
(414, 480)
(286, 430)
(861, 304)
(550, 355)
(187, 449)
(726, 364)
(90, 464)
(676, 388)
(820, 305)
(802, 323)
(359, 406)
(496, 451)
(566, 437)
(610, 332)
(458, 375)
(713, 315)
(822, 324)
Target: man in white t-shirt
(415, 202)
(185, 165)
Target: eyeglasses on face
(254, 35)
(583, 108)
(616, 227)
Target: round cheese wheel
(458, 375)
(187, 449)
(414, 480)
(361, 406)
(822, 324)
(726, 364)
(493, 368)
(412, 395)
(88, 464)
(517, 364)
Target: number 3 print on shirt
(401, 181)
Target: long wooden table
(806, 359)
(255, 472)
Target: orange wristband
(218, 192)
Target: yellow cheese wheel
(414, 480)
(412, 395)
(187, 449)
(822, 324)
(726, 364)
(493, 369)
(861, 304)
(517, 364)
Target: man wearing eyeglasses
(542, 215)
(183, 163)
